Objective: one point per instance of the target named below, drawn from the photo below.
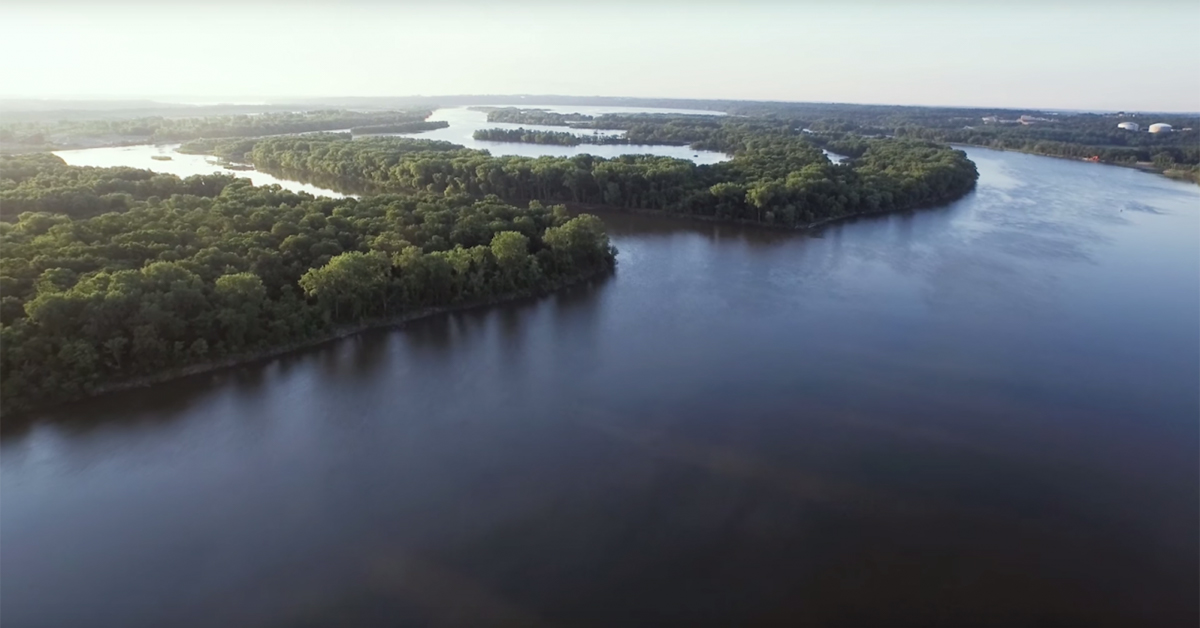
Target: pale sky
(1062, 55)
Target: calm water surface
(984, 414)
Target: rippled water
(982, 414)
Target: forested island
(557, 138)
(196, 272)
(542, 117)
(640, 128)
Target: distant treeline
(1056, 134)
(516, 115)
(185, 272)
(1170, 151)
(42, 182)
(403, 127)
(160, 129)
(559, 138)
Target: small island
(557, 138)
(418, 126)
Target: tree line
(42, 182)
(541, 117)
(204, 273)
(167, 129)
(1055, 134)
(416, 126)
(557, 138)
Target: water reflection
(180, 164)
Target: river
(981, 414)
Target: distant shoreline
(824, 222)
(1183, 175)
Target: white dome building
(1129, 126)
(1160, 128)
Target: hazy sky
(1067, 55)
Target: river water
(982, 414)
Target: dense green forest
(778, 178)
(191, 271)
(163, 129)
(41, 182)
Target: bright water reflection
(182, 165)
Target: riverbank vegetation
(194, 271)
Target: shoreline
(824, 222)
(29, 414)
(1150, 169)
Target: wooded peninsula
(122, 273)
